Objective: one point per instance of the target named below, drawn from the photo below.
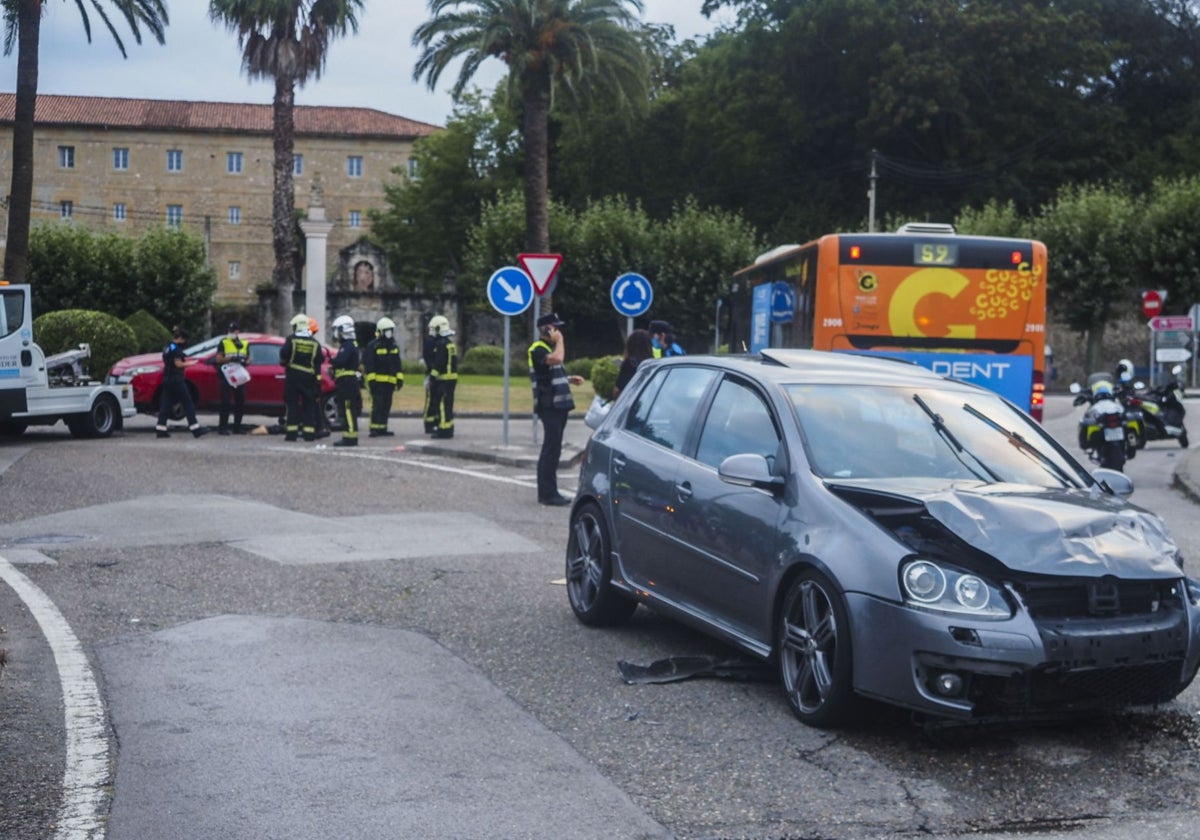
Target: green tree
(572, 47)
(1092, 271)
(22, 28)
(1168, 242)
(424, 226)
(288, 41)
(995, 218)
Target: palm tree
(22, 25)
(579, 48)
(286, 40)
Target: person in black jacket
(174, 386)
(381, 363)
(443, 379)
(552, 402)
(345, 365)
(233, 348)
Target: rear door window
(665, 408)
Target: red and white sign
(1171, 322)
(1152, 302)
(541, 269)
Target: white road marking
(80, 816)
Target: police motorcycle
(1102, 428)
(1162, 410)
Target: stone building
(123, 165)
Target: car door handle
(618, 463)
(684, 491)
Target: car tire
(814, 652)
(593, 598)
(330, 410)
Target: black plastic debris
(678, 668)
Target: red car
(264, 391)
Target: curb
(1185, 477)
(509, 456)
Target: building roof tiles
(177, 115)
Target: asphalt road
(298, 642)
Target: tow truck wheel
(98, 421)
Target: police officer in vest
(174, 386)
(381, 362)
(233, 348)
(301, 356)
(552, 402)
(443, 379)
(662, 342)
(345, 376)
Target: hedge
(110, 338)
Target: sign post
(510, 291)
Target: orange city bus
(969, 307)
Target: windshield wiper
(1024, 446)
(955, 446)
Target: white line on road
(80, 816)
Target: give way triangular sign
(540, 268)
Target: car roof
(786, 366)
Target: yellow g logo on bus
(916, 287)
(868, 282)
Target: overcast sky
(200, 60)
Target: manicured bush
(604, 375)
(110, 338)
(149, 332)
(486, 359)
(580, 367)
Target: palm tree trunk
(20, 197)
(535, 131)
(283, 222)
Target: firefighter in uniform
(345, 376)
(435, 325)
(381, 362)
(233, 348)
(443, 379)
(301, 356)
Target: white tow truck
(40, 390)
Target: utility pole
(871, 194)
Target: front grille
(1055, 690)
(1084, 597)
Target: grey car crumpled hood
(1044, 531)
(1058, 532)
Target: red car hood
(141, 360)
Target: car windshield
(896, 432)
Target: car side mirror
(1114, 480)
(749, 470)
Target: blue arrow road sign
(631, 294)
(509, 290)
(783, 302)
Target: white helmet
(299, 325)
(385, 326)
(1125, 370)
(343, 327)
(438, 325)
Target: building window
(297, 164)
(174, 160)
(354, 166)
(233, 163)
(355, 218)
(174, 215)
(119, 212)
(66, 209)
(235, 269)
(413, 169)
(120, 159)
(66, 157)
(235, 215)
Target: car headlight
(128, 376)
(938, 586)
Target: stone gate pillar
(316, 236)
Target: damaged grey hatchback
(878, 531)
